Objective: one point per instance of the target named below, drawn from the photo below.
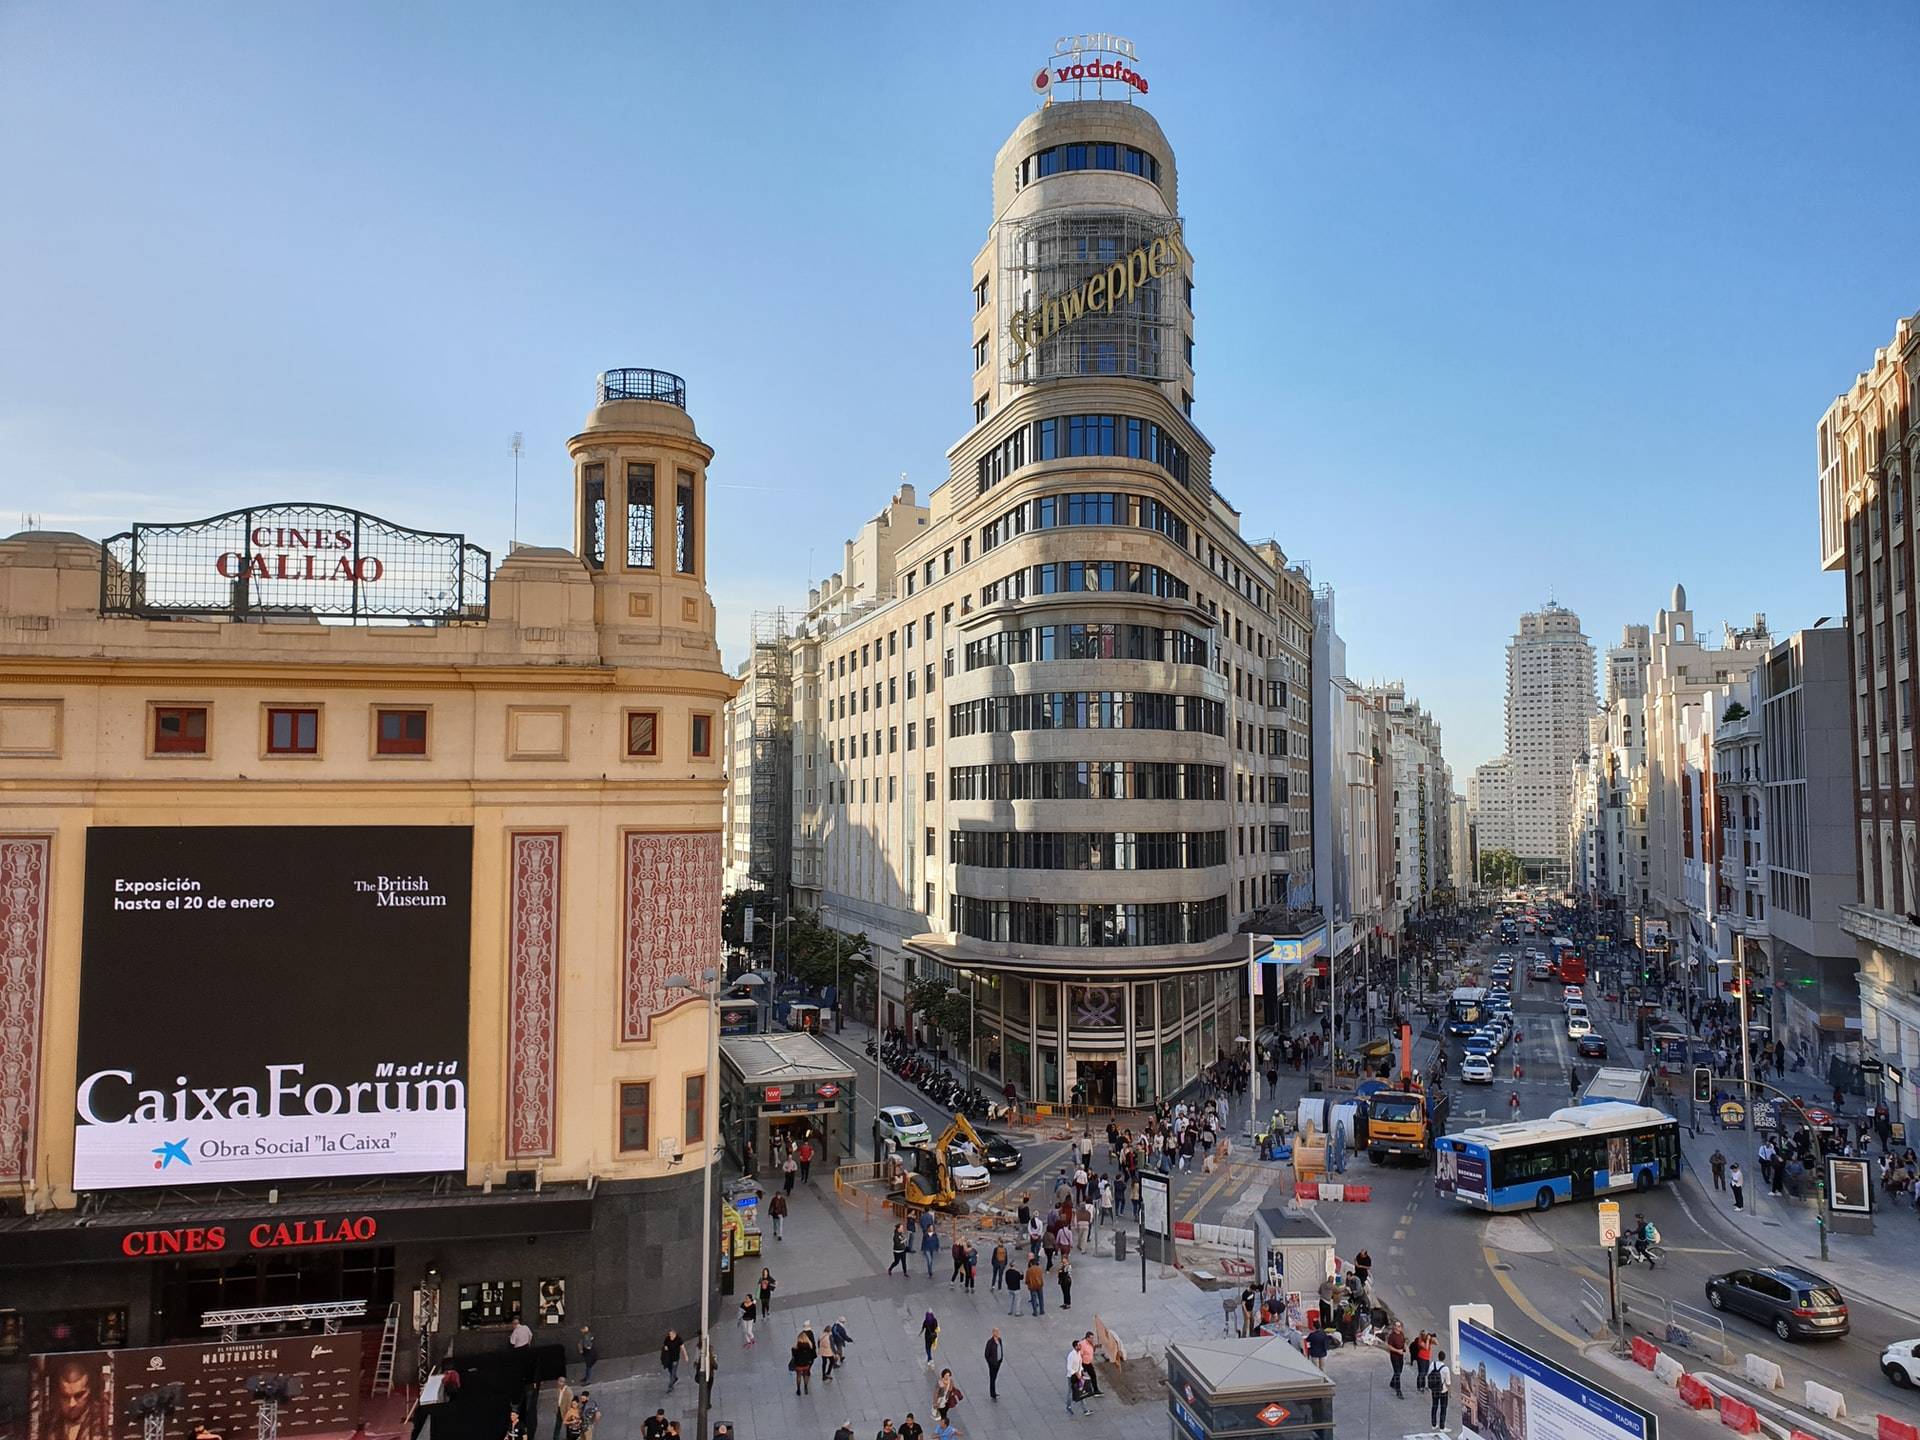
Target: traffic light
(1702, 1085)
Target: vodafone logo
(1042, 80)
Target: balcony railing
(642, 384)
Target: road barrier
(1695, 1393)
(1824, 1401)
(1763, 1372)
(1738, 1416)
(1644, 1352)
(1892, 1429)
(1307, 1190)
(1673, 1324)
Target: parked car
(1795, 1304)
(1900, 1363)
(902, 1126)
(966, 1168)
(1477, 1068)
(1591, 1047)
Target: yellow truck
(1403, 1123)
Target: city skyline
(364, 305)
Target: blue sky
(1496, 301)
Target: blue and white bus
(1466, 1010)
(1573, 1154)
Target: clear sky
(1495, 301)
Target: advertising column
(272, 1003)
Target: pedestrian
(1513, 1104)
(829, 1355)
(1076, 1381)
(959, 1258)
(973, 1264)
(929, 1335)
(1317, 1345)
(930, 1242)
(766, 1291)
(562, 1403)
(995, 1356)
(899, 1251)
(946, 1395)
(803, 1354)
(673, 1350)
(1088, 1373)
(910, 1428)
(777, 1208)
(1440, 1386)
(1397, 1355)
(1362, 1270)
(1086, 1146)
(1036, 1289)
(805, 1155)
(1422, 1358)
(1066, 1284)
(588, 1353)
(655, 1426)
(749, 1312)
(1738, 1183)
(1718, 1164)
(789, 1171)
(842, 1338)
(999, 1259)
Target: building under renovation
(759, 726)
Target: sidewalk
(832, 1266)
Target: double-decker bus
(1567, 964)
(1573, 1154)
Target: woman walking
(946, 1395)
(829, 1355)
(801, 1362)
(929, 1335)
(749, 1312)
(672, 1351)
(766, 1291)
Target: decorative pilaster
(672, 922)
(23, 965)
(533, 993)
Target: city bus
(1466, 1010)
(1567, 964)
(1618, 1082)
(1573, 1154)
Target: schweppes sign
(1105, 290)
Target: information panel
(1508, 1392)
(272, 1003)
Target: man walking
(1036, 1289)
(996, 1354)
(1738, 1183)
(1440, 1386)
(1075, 1371)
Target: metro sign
(827, 1090)
(1272, 1415)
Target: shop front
(784, 1088)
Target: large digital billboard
(1508, 1392)
(272, 1003)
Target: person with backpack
(1440, 1387)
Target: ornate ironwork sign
(295, 560)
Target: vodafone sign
(1081, 58)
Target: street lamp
(709, 986)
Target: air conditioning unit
(668, 1149)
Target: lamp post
(709, 986)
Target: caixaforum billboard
(272, 1003)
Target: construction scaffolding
(770, 789)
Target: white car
(1578, 1025)
(903, 1127)
(1477, 1068)
(968, 1171)
(1900, 1363)
(1571, 994)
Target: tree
(1735, 711)
(1501, 868)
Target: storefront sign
(772, 1094)
(1105, 290)
(1090, 58)
(266, 1235)
(293, 559)
(226, 1032)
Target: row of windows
(640, 516)
(1088, 780)
(1086, 710)
(1065, 436)
(1087, 642)
(1084, 508)
(295, 730)
(1027, 922)
(1064, 577)
(1059, 159)
(1089, 850)
(636, 1114)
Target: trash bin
(1119, 1244)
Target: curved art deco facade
(1090, 666)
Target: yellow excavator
(918, 1176)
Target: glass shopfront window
(1143, 1091)
(1050, 1073)
(1019, 1062)
(1207, 1037)
(1189, 995)
(1143, 1007)
(1169, 1009)
(1189, 1052)
(1049, 994)
(1170, 1073)
(1019, 1000)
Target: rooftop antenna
(517, 444)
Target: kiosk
(1221, 1389)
